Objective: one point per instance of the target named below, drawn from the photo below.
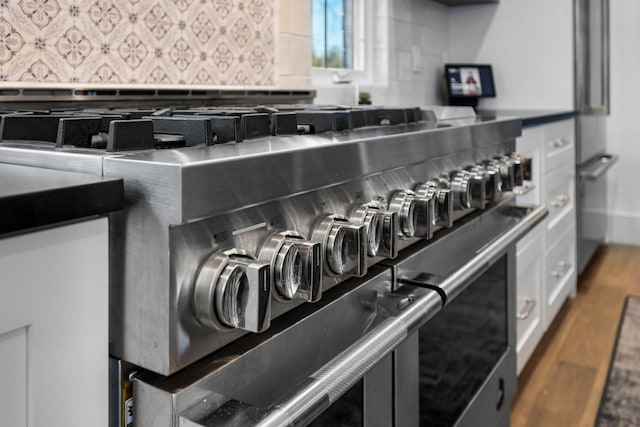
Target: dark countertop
(532, 117)
(34, 197)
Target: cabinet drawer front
(560, 274)
(559, 197)
(529, 298)
(559, 145)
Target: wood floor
(563, 381)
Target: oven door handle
(335, 378)
(454, 284)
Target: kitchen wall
(529, 44)
(409, 41)
(416, 47)
(156, 42)
(623, 132)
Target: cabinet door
(530, 294)
(560, 271)
(54, 327)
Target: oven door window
(460, 347)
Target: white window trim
(363, 55)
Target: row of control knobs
(233, 289)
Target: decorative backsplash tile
(155, 42)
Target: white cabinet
(560, 196)
(560, 271)
(54, 326)
(547, 256)
(530, 297)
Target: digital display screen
(469, 80)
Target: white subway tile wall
(154, 42)
(413, 52)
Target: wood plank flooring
(562, 383)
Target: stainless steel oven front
(303, 358)
(447, 193)
(427, 340)
(459, 368)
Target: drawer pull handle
(560, 201)
(529, 305)
(560, 142)
(526, 187)
(565, 266)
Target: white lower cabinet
(560, 271)
(560, 201)
(530, 296)
(546, 257)
(54, 327)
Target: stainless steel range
(259, 243)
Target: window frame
(361, 73)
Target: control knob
(494, 178)
(344, 243)
(414, 214)
(468, 189)
(381, 227)
(442, 212)
(296, 266)
(493, 181)
(507, 172)
(522, 168)
(232, 291)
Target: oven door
(242, 383)
(459, 369)
(369, 403)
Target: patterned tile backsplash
(154, 42)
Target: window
(337, 31)
(332, 33)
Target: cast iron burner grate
(117, 130)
